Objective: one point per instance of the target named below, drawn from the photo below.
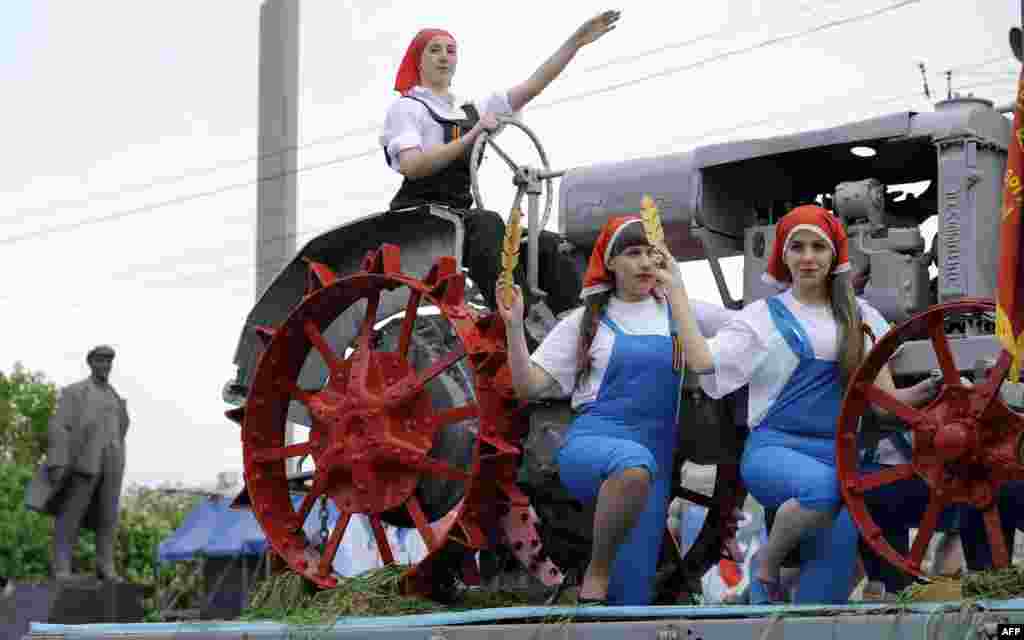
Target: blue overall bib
(631, 423)
(791, 454)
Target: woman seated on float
(796, 351)
(614, 357)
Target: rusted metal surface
(966, 442)
(373, 423)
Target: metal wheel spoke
(404, 392)
(366, 331)
(276, 454)
(937, 332)
(365, 375)
(504, 156)
(419, 518)
(882, 399)
(453, 416)
(310, 499)
(331, 548)
(927, 529)
(441, 468)
(895, 473)
(986, 392)
(409, 322)
(996, 540)
(303, 396)
(383, 546)
(320, 344)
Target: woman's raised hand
(511, 314)
(593, 29)
(666, 270)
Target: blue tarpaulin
(214, 530)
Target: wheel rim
(373, 423)
(967, 442)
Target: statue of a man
(80, 481)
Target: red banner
(1010, 291)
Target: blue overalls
(791, 454)
(631, 423)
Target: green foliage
(24, 535)
(148, 516)
(27, 400)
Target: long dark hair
(849, 324)
(595, 305)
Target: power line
(728, 54)
(777, 119)
(178, 200)
(608, 88)
(327, 139)
(201, 172)
(221, 270)
(728, 28)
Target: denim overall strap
(809, 402)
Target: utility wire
(222, 269)
(728, 54)
(72, 226)
(199, 172)
(732, 27)
(608, 88)
(801, 115)
(774, 119)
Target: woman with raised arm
(796, 351)
(428, 137)
(614, 357)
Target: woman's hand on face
(511, 314)
(593, 29)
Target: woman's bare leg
(620, 503)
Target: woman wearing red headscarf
(614, 357)
(796, 351)
(428, 136)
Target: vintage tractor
(368, 339)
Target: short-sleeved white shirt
(409, 126)
(557, 354)
(750, 350)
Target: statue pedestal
(78, 600)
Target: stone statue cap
(101, 350)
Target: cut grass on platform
(289, 598)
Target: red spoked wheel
(967, 443)
(374, 425)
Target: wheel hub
(967, 442)
(955, 440)
(372, 452)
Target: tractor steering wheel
(520, 174)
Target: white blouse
(557, 354)
(409, 126)
(750, 350)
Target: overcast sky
(114, 109)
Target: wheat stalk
(510, 255)
(652, 223)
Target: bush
(148, 516)
(24, 535)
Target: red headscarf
(598, 278)
(409, 71)
(807, 217)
